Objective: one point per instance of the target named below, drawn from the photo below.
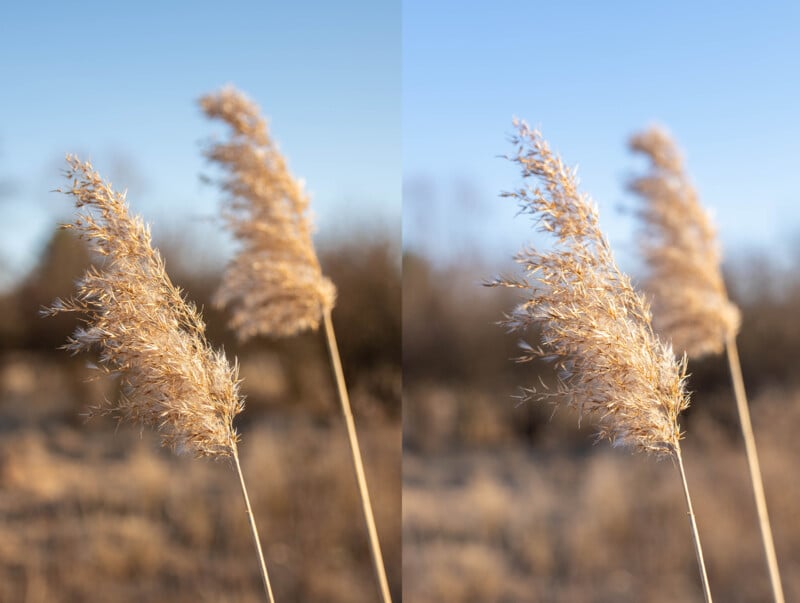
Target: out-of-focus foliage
(368, 308)
(450, 330)
(64, 259)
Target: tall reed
(595, 327)
(690, 302)
(146, 333)
(274, 286)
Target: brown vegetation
(490, 482)
(532, 520)
(93, 511)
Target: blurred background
(93, 511)
(508, 501)
(501, 501)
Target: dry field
(549, 520)
(92, 512)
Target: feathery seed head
(595, 327)
(679, 244)
(275, 285)
(144, 330)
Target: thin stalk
(755, 469)
(695, 534)
(253, 528)
(344, 398)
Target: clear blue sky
(117, 82)
(723, 77)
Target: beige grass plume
(679, 244)
(147, 333)
(594, 326)
(690, 302)
(274, 286)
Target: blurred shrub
(367, 313)
(450, 330)
(63, 260)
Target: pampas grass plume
(595, 327)
(274, 285)
(679, 244)
(690, 302)
(144, 330)
(149, 335)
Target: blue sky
(721, 76)
(117, 82)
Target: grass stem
(695, 534)
(755, 469)
(377, 557)
(253, 528)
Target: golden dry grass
(95, 512)
(274, 285)
(692, 308)
(143, 329)
(554, 525)
(678, 243)
(507, 519)
(595, 327)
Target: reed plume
(679, 244)
(275, 286)
(595, 327)
(146, 333)
(690, 301)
